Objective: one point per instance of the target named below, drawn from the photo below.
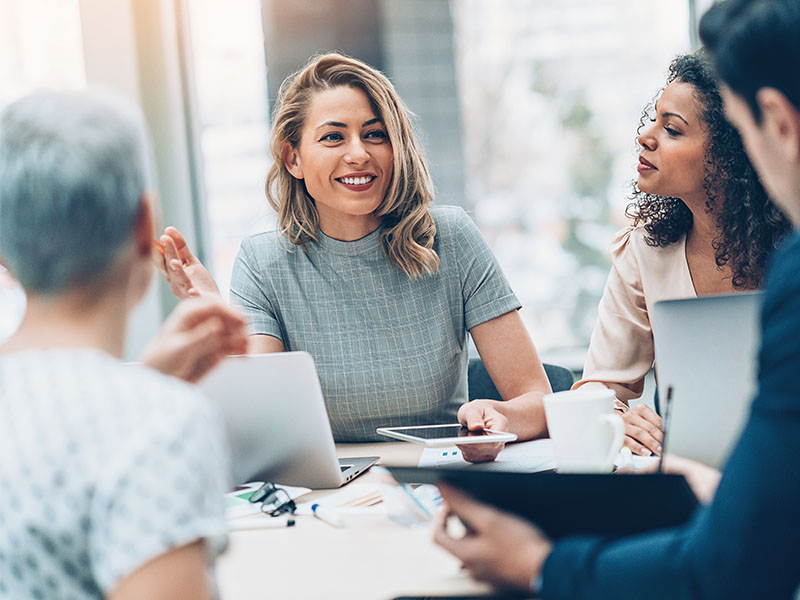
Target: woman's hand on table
(497, 548)
(643, 430)
(185, 274)
(195, 337)
(477, 416)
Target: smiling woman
(345, 160)
(378, 286)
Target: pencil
(159, 247)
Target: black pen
(664, 430)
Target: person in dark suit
(744, 543)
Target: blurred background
(527, 110)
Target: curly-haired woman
(702, 224)
(378, 286)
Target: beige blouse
(621, 349)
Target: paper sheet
(524, 457)
(353, 499)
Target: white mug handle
(618, 436)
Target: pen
(159, 247)
(664, 423)
(260, 523)
(327, 515)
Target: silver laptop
(276, 422)
(706, 350)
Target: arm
(514, 366)
(621, 349)
(180, 573)
(743, 544)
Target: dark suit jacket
(746, 544)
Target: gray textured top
(389, 350)
(103, 467)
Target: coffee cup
(587, 434)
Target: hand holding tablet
(445, 435)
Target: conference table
(371, 557)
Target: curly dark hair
(750, 225)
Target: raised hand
(196, 336)
(185, 274)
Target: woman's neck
(71, 320)
(704, 226)
(348, 229)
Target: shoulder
(450, 219)
(782, 286)
(267, 251)
(456, 231)
(631, 254)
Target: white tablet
(445, 435)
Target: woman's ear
(781, 120)
(145, 226)
(291, 160)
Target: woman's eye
(672, 132)
(331, 137)
(376, 134)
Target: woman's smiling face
(345, 159)
(673, 148)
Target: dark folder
(573, 504)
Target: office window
(230, 74)
(40, 47)
(551, 94)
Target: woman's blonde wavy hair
(408, 228)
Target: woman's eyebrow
(371, 122)
(331, 124)
(672, 114)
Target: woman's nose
(646, 139)
(356, 152)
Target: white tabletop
(371, 558)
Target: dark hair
(755, 44)
(749, 225)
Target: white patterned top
(103, 467)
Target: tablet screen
(438, 433)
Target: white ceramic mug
(587, 434)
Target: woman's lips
(645, 165)
(357, 183)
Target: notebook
(276, 422)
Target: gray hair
(73, 169)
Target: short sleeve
(486, 292)
(161, 491)
(250, 291)
(621, 348)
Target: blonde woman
(378, 286)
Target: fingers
(478, 453)
(476, 516)
(642, 436)
(177, 240)
(470, 416)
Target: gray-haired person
(97, 500)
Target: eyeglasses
(274, 501)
